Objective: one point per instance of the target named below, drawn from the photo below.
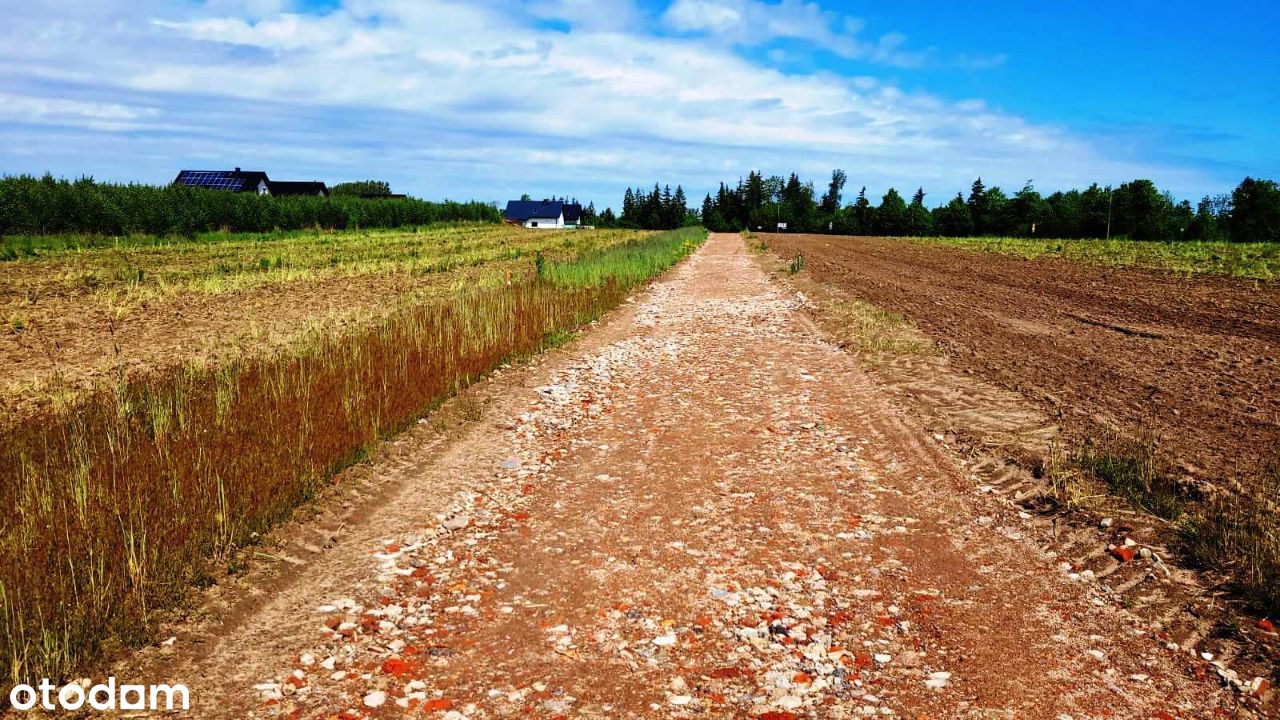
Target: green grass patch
(1231, 530)
(627, 263)
(1132, 470)
(1259, 261)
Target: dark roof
(284, 188)
(521, 210)
(234, 180)
(572, 213)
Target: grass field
(1260, 261)
(82, 307)
(135, 489)
(222, 262)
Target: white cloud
(752, 22)
(93, 115)
(462, 98)
(704, 15)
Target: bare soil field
(1192, 360)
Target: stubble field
(167, 402)
(81, 307)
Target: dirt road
(1192, 361)
(699, 509)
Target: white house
(542, 214)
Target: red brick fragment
(1123, 553)
(397, 667)
(437, 705)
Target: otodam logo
(103, 696)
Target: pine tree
(831, 200)
(680, 209)
(919, 220)
(977, 203)
(629, 208)
(862, 212)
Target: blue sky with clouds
(490, 99)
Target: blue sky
(571, 97)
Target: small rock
(938, 680)
(910, 659)
(375, 699)
(1259, 687)
(790, 702)
(457, 522)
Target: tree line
(42, 206)
(656, 209)
(1136, 210)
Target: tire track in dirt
(703, 509)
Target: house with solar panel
(543, 214)
(245, 181)
(285, 188)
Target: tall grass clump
(119, 502)
(44, 206)
(1231, 530)
(1237, 532)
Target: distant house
(237, 180)
(254, 181)
(543, 214)
(285, 188)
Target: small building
(254, 181)
(543, 214)
(237, 180)
(285, 188)
(540, 214)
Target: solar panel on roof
(212, 179)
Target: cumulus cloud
(483, 99)
(752, 22)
